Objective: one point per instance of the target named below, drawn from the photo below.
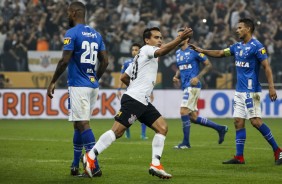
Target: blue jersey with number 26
(85, 42)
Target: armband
(227, 52)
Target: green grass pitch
(40, 151)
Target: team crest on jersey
(67, 40)
(92, 79)
(132, 119)
(263, 51)
(181, 58)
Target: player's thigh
(130, 111)
(79, 103)
(150, 115)
(93, 98)
(239, 105)
(160, 126)
(253, 105)
(190, 98)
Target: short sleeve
(69, 40)
(150, 50)
(129, 69)
(201, 57)
(230, 50)
(261, 54)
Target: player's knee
(239, 124)
(256, 122)
(162, 129)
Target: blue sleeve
(261, 53)
(101, 43)
(124, 67)
(69, 40)
(230, 51)
(201, 57)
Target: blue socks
(265, 131)
(143, 130)
(240, 141)
(186, 129)
(208, 123)
(127, 133)
(88, 140)
(77, 148)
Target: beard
(71, 23)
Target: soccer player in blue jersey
(134, 51)
(83, 48)
(249, 55)
(188, 62)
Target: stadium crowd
(41, 24)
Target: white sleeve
(128, 71)
(150, 50)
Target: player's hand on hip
(272, 94)
(50, 90)
(194, 81)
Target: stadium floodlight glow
(204, 20)
(258, 22)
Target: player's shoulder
(128, 61)
(256, 43)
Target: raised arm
(188, 32)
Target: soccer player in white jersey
(135, 47)
(83, 48)
(140, 77)
(249, 55)
(188, 62)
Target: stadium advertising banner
(43, 61)
(34, 104)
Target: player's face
(71, 22)
(242, 30)
(134, 51)
(156, 38)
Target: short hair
(78, 6)
(147, 32)
(135, 45)
(249, 23)
(181, 30)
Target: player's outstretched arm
(103, 63)
(188, 32)
(269, 76)
(61, 67)
(212, 53)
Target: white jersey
(143, 73)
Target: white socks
(103, 143)
(157, 148)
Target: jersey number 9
(90, 52)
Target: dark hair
(147, 33)
(135, 45)
(78, 6)
(180, 30)
(249, 23)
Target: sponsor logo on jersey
(67, 40)
(202, 55)
(263, 51)
(184, 67)
(89, 34)
(242, 64)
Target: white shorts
(247, 105)
(190, 98)
(81, 102)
